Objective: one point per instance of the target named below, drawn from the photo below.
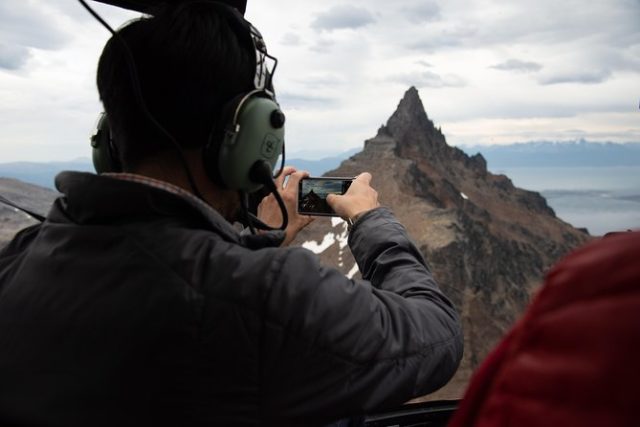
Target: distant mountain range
(558, 154)
(43, 174)
(529, 154)
(320, 166)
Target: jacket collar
(102, 199)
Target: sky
(488, 71)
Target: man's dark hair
(190, 62)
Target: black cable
(20, 208)
(244, 200)
(261, 173)
(256, 222)
(135, 82)
(273, 70)
(283, 208)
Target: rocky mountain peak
(413, 131)
(488, 242)
(410, 107)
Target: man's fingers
(364, 177)
(333, 198)
(295, 179)
(286, 171)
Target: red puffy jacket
(574, 358)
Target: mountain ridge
(487, 242)
(35, 198)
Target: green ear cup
(104, 157)
(257, 133)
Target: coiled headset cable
(261, 173)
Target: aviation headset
(247, 137)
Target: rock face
(488, 243)
(32, 197)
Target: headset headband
(265, 63)
(264, 76)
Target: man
(138, 303)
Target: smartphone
(313, 192)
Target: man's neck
(166, 167)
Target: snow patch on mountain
(317, 248)
(353, 271)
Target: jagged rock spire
(410, 126)
(411, 103)
(410, 113)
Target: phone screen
(313, 192)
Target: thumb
(333, 198)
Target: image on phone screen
(313, 192)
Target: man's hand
(269, 211)
(358, 199)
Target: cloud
(344, 85)
(290, 39)
(342, 17)
(429, 79)
(23, 27)
(13, 57)
(587, 76)
(551, 24)
(518, 66)
(424, 63)
(314, 81)
(443, 38)
(290, 100)
(75, 11)
(423, 12)
(526, 109)
(613, 59)
(22, 23)
(323, 45)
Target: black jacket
(130, 306)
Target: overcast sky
(488, 71)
